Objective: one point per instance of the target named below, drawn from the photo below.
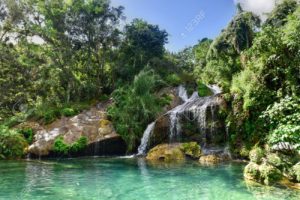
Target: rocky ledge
(91, 124)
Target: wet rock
(284, 147)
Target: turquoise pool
(129, 179)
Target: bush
(203, 90)
(60, 147)
(69, 112)
(28, 134)
(79, 145)
(12, 143)
(173, 79)
(135, 107)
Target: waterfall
(182, 93)
(194, 108)
(145, 140)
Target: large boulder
(269, 174)
(91, 124)
(166, 153)
(174, 152)
(294, 174)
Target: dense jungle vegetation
(59, 57)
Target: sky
(188, 21)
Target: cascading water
(195, 109)
(145, 140)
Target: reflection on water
(129, 179)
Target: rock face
(92, 124)
(201, 121)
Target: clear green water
(129, 179)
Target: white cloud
(259, 7)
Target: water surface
(129, 179)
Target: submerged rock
(212, 159)
(92, 124)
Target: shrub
(79, 145)
(60, 147)
(203, 90)
(69, 112)
(135, 107)
(28, 134)
(12, 143)
(173, 79)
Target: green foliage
(135, 107)
(12, 143)
(278, 16)
(203, 90)
(283, 119)
(79, 145)
(28, 134)
(60, 147)
(68, 112)
(173, 79)
(143, 42)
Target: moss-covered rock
(256, 155)
(166, 153)
(275, 160)
(295, 173)
(269, 174)
(191, 149)
(252, 172)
